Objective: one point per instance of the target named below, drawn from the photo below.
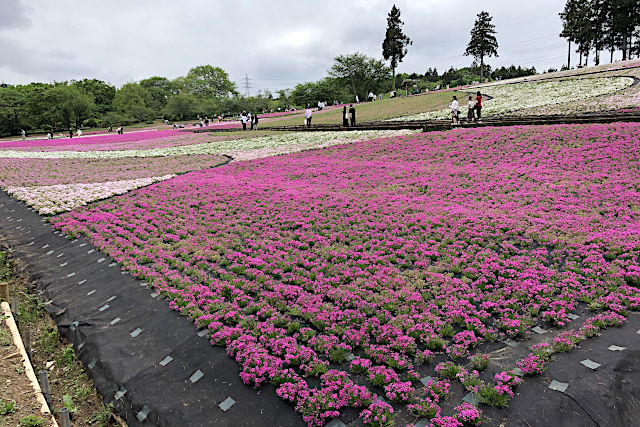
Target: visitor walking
(243, 119)
(479, 106)
(255, 122)
(24, 134)
(345, 117)
(110, 129)
(308, 114)
(49, 135)
(352, 115)
(472, 107)
(70, 133)
(79, 132)
(455, 110)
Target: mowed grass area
(379, 110)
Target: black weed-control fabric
(607, 397)
(143, 355)
(122, 332)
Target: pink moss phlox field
(384, 249)
(30, 172)
(128, 141)
(113, 138)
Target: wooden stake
(46, 391)
(27, 343)
(4, 291)
(64, 417)
(14, 308)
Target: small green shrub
(32, 421)
(8, 407)
(479, 361)
(68, 403)
(102, 415)
(447, 370)
(49, 340)
(338, 355)
(490, 396)
(65, 356)
(435, 344)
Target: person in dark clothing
(70, 133)
(255, 121)
(479, 105)
(352, 115)
(345, 117)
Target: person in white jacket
(455, 110)
(307, 116)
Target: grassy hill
(379, 110)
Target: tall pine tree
(570, 23)
(483, 40)
(602, 24)
(394, 46)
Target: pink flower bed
(90, 140)
(32, 172)
(151, 140)
(389, 250)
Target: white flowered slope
(520, 97)
(52, 199)
(243, 148)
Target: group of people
(349, 117)
(474, 111)
(71, 134)
(119, 130)
(373, 97)
(250, 118)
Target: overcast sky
(277, 43)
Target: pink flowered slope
(88, 140)
(391, 251)
(38, 172)
(152, 139)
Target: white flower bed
(52, 199)
(515, 98)
(240, 149)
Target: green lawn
(379, 110)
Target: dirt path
(17, 401)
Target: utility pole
(246, 84)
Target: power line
(517, 45)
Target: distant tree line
(601, 25)
(205, 90)
(453, 77)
